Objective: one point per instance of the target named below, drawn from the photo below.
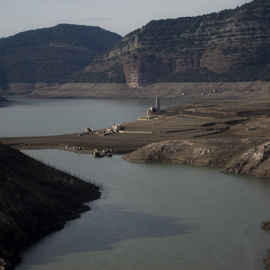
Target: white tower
(157, 104)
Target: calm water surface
(37, 117)
(151, 216)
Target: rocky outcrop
(35, 200)
(211, 152)
(185, 152)
(255, 161)
(233, 153)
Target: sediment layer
(120, 90)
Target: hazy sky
(119, 16)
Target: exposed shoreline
(234, 134)
(202, 90)
(206, 124)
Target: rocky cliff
(35, 200)
(255, 161)
(232, 45)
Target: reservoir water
(150, 216)
(37, 117)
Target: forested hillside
(227, 46)
(35, 200)
(231, 45)
(51, 54)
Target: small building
(152, 110)
(157, 104)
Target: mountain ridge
(51, 54)
(231, 45)
(228, 46)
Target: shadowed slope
(35, 200)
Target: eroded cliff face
(255, 161)
(220, 42)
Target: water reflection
(96, 231)
(191, 217)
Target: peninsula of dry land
(233, 134)
(212, 133)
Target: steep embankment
(35, 200)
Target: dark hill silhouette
(35, 200)
(51, 54)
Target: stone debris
(74, 148)
(103, 153)
(89, 129)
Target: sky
(119, 16)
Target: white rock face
(255, 162)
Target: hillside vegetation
(231, 45)
(35, 200)
(51, 54)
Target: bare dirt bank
(117, 90)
